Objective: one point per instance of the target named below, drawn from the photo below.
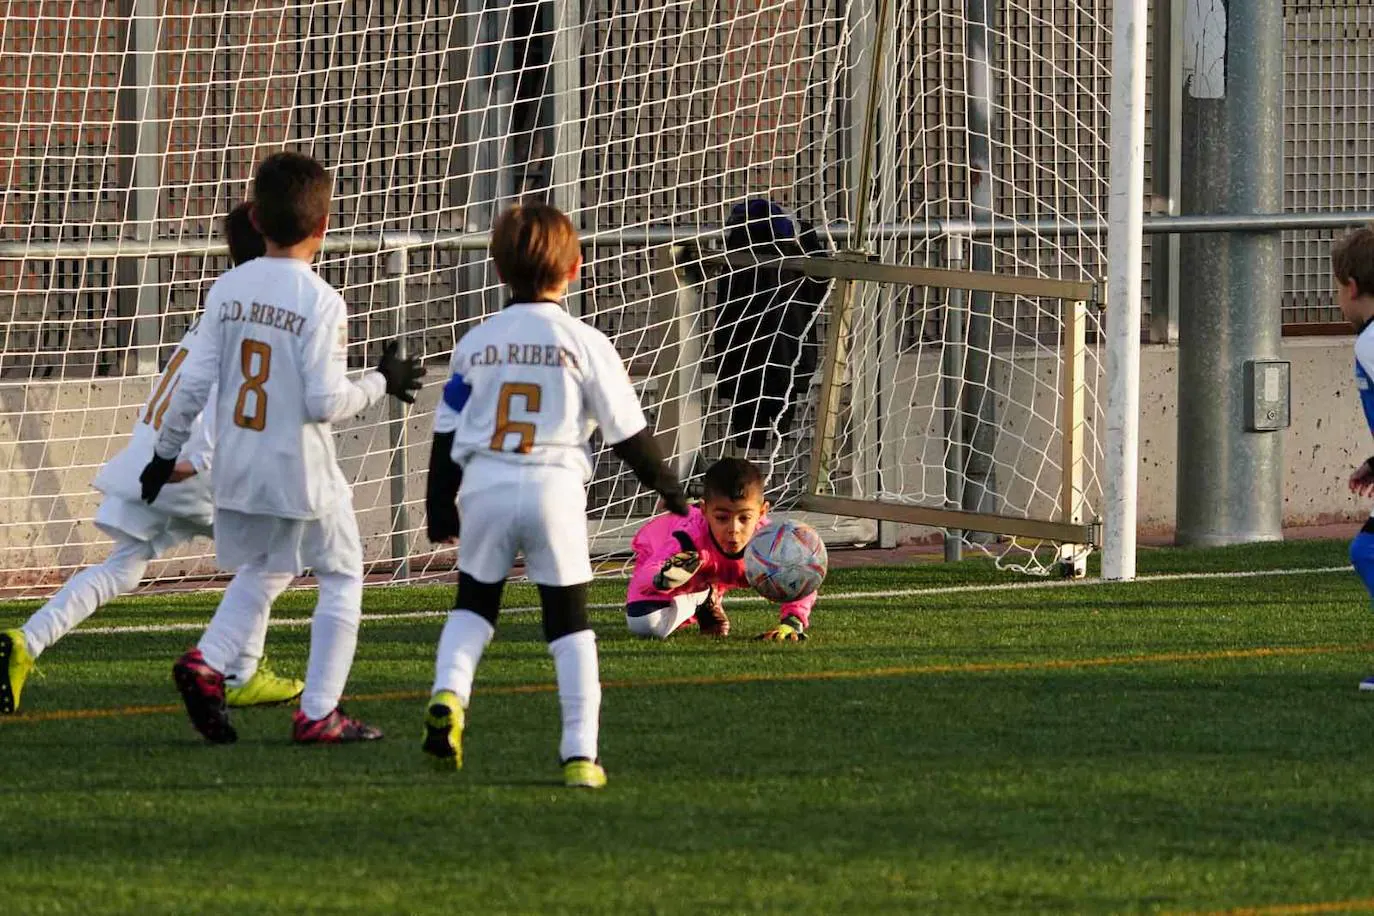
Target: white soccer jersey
(118, 477)
(274, 338)
(530, 385)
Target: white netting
(647, 121)
(1006, 126)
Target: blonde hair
(535, 247)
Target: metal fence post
(395, 266)
(980, 385)
(681, 398)
(1230, 478)
(835, 369)
(138, 299)
(1166, 152)
(565, 72)
(887, 299)
(952, 353)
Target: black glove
(675, 500)
(155, 476)
(402, 373)
(441, 491)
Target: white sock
(664, 622)
(579, 693)
(242, 613)
(461, 645)
(333, 641)
(258, 590)
(85, 592)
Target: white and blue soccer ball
(785, 561)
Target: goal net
(132, 126)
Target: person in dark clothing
(765, 334)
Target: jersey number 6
(505, 426)
(253, 380)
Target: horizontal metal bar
(1059, 532)
(646, 236)
(876, 271)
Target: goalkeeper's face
(733, 521)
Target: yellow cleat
(15, 665)
(264, 688)
(444, 730)
(581, 773)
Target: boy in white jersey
(144, 532)
(274, 340)
(528, 388)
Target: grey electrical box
(1266, 395)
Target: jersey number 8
(253, 380)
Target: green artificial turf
(1179, 745)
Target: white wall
(54, 435)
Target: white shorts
(537, 510)
(328, 544)
(140, 521)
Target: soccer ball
(785, 561)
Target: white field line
(836, 596)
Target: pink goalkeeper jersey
(656, 542)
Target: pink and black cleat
(202, 690)
(335, 728)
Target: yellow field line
(1060, 664)
(1299, 909)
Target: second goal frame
(1069, 527)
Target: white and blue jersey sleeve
(454, 399)
(1364, 373)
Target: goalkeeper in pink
(683, 566)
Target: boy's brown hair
(245, 242)
(1352, 258)
(534, 247)
(732, 479)
(290, 197)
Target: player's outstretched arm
(329, 396)
(645, 458)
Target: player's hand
(441, 522)
(677, 570)
(789, 629)
(402, 373)
(1362, 481)
(182, 470)
(674, 502)
(155, 476)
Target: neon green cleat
(15, 665)
(264, 688)
(581, 773)
(444, 730)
